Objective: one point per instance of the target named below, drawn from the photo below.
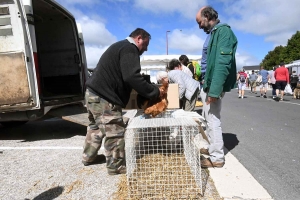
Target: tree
(285, 54)
(273, 58)
(293, 47)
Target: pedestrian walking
(264, 84)
(273, 82)
(220, 77)
(282, 79)
(252, 82)
(294, 80)
(242, 81)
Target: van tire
(11, 124)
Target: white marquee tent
(151, 64)
(295, 66)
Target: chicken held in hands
(157, 106)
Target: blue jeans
(212, 115)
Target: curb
(234, 182)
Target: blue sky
(259, 25)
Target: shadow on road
(230, 141)
(49, 194)
(42, 130)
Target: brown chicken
(159, 105)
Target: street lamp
(167, 40)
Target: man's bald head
(198, 15)
(207, 17)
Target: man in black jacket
(108, 91)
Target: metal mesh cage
(162, 159)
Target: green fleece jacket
(221, 67)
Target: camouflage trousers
(106, 122)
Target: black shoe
(265, 96)
(276, 99)
(98, 160)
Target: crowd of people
(118, 72)
(279, 78)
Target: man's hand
(162, 92)
(211, 100)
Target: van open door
(18, 77)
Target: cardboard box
(173, 98)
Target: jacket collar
(219, 25)
(130, 39)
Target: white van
(42, 60)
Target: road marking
(38, 147)
(269, 99)
(43, 148)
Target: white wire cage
(162, 159)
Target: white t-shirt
(186, 70)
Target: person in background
(294, 80)
(282, 79)
(188, 87)
(264, 85)
(242, 81)
(220, 77)
(184, 60)
(273, 82)
(252, 82)
(108, 91)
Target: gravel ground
(42, 161)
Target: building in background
(248, 69)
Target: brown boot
(115, 166)
(207, 163)
(120, 170)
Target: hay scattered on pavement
(184, 191)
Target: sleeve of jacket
(225, 49)
(131, 68)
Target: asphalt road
(41, 160)
(261, 133)
(264, 136)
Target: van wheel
(13, 123)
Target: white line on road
(298, 104)
(43, 148)
(38, 147)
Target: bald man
(218, 58)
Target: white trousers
(212, 115)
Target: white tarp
(151, 64)
(295, 66)
(159, 62)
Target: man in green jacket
(220, 77)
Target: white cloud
(93, 54)
(244, 59)
(276, 20)
(97, 39)
(186, 40)
(95, 32)
(187, 8)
